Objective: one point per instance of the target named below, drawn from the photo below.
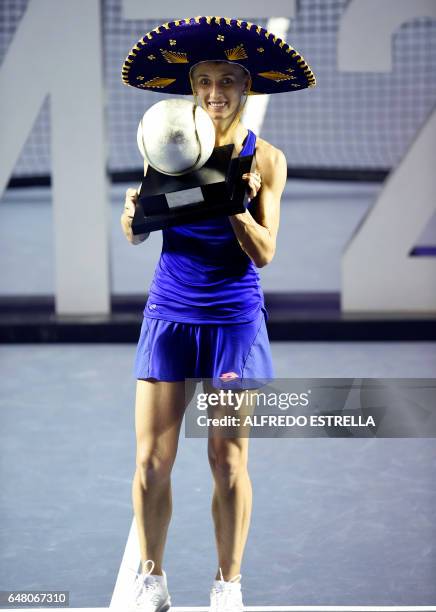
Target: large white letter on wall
(366, 29)
(57, 51)
(170, 10)
(377, 272)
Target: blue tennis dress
(205, 315)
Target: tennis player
(205, 315)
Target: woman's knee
(227, 463)
(153, 469)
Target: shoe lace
(225, 596)
(145, 587)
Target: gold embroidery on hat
(159, 82)
(140, 78)
(151, 57)
(177, 22)
(166, 26)
(249, 25)
(260, 49)
(156, 30)
(217, 20)
(228, 20)
(220, 37)
(239, 23)
(236, 53)
(274, 75)
(209, 19)
(290, 70)
(197, 19)
(258, 29)
(175, 57)
(149, 35)
(173, 42)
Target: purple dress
(205, 315)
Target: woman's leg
(159, 410)
(232, 497)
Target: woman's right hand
(130, 204)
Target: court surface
(335, 521)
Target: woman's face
(219, 87)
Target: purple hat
(161, 61)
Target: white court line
(256, 609)
(311, 609)
(131, 559)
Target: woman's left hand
(254, 181)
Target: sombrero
(162, 59)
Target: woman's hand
(254, 181)
(130, 204)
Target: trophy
(170, 195)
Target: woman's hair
(244, 72)
(242, 68)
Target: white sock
(158, 577)
(218, 582)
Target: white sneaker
(150, 594)
(226, 596)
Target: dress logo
(152, 306)
(229, 376)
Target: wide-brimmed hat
(161, 61)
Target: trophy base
(215, 190)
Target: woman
(205, 315)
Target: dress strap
(249, 144)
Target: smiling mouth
(217, 105)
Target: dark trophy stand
(214, 190)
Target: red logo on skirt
(229, 376)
